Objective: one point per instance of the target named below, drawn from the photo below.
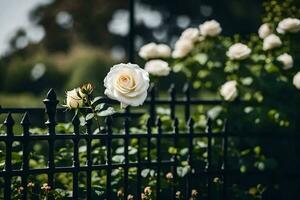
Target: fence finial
(25, 120)
(9, 121)
(191, 122)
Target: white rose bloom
(148, 51)
(163, 51)
(238, 51)
(182, 48)
(74, 99)
(272, 41)
(153, 50)
(190, 34)
(296, 80)
(291, 25)
(264, 30)
(229, 90)
(286, 60)
(127, 83)
(157, 67)
(210, 28)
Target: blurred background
(62, 44)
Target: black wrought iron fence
(202, 172)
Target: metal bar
(9, 123)
(158, 157)
(76, 162)
(126, 144)
(89, 158)
(209, 158)
(25, 122)
(108, 157)
(225, 158)
(190, 127)
(50, 109)
(139, 171)
(175, 131)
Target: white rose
(272, 41)
(163, 51)
(182, 48)
(286, 60)
(153, 50)
(74, 99)
(157, 68)
(291, 25)
(296, 80)
(127, 83)
(190, 34)
(229, 90)
(264, 30)
(210, 28)
(238, 51)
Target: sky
(14, 14)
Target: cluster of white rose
(157, 52)
(270, 41)
(236, 52)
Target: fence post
(25, 122)
(76, 164)
(175, 132)
(225, 158)
(89, 163)
(126, 164)
(108, 157)
(149, 133)
(209, 158)
(50, 105)
(9, 123)
(158, 158)
(190, 127)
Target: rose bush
(262, 66)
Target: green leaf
(89, 116)
(172, 150)
(99, 106)
(145, 172)
(96, 99)
(118, 158)
(107, 112)
(182, 171)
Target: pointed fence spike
(149, 122)
(191, 122)
(175, 122)
(51, 95)
(158, 122)
(209, 125)
(25, 120)
(9, 121)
